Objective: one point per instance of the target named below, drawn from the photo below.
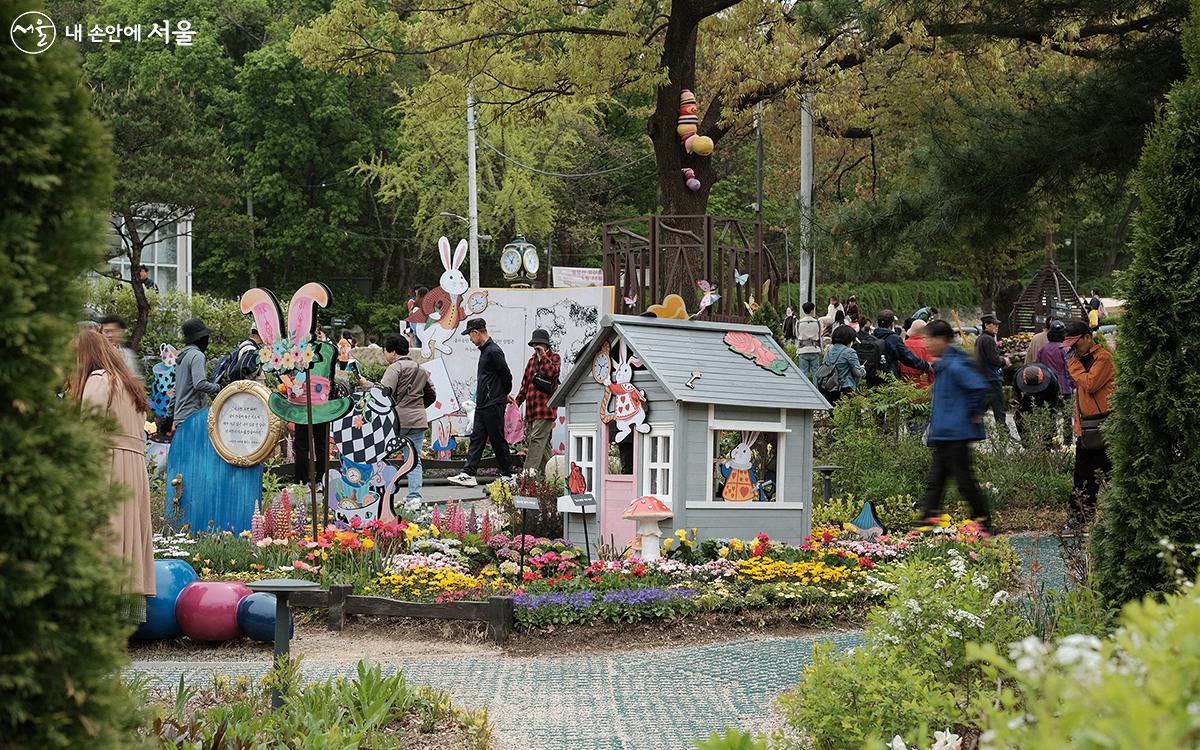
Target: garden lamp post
(281, 588)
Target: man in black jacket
(992, 363)
(895, 352)
(493, 382)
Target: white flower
(897, 743)
(963, 616)
(946, 740)
(912, 606)
(939, 583)
(979, 581)
(1000, 597)
(1028, 654)
(1079, 651)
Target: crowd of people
(841, 352)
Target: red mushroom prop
(648, 511)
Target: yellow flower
(736, 544)
(368, 543)
(434, 530)
(723, 552)
(667, 543)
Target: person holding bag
(540, 379)
(1091, 367)
(411, 391)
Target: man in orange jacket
(1091, 367)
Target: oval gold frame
(274, 423)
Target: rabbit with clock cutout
(740, 483)
(444, 304)
(624, 403)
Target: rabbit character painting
(442, 309)
(623, 403)
(740, 482)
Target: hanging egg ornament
(693, 185)
(702, 145)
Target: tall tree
(1155, 489)
(61, 635)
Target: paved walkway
(639, 700)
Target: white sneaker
(463, 480)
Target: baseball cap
(1075, 330)
(989, 318)
(476, 324)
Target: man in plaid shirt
(539, 381)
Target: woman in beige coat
(103, 382)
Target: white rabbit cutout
(442, 324)
(622, 403)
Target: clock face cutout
(510, 261)
(532, 261)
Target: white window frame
(658, 432)
(779, 428)
(180, 271)
(587, 464)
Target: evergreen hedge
(61, 636)
(1154, 435)
(902, 297)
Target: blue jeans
(808, 364)
(416, 477)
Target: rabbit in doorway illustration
(444, 304)
(740, 483)
(623, 403)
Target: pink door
(617, 490)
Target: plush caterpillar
(689, 124)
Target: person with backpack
(841, 371)
(808, 341)
(888, 352)
(241, 363)
(958, 402)
(411, 391)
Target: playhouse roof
(672, 350)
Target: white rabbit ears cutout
(302, 318)
(460, 253)
(749, 438)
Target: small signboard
(337, 323)
(586, 500)
(242, 428)
(523, 502)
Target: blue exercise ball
(170, 579)
(256, 617)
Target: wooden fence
(497, 611)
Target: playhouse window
(583, 453)
(656, 463)
(738, 478)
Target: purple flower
(575, 600)
(631, 597)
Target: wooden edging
(497, 611)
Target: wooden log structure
(497, 611)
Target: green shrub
(167, 311)
(62, 636)
(897, 512)
(903, 297)
(1155, 490)
(1133, 690)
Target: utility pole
(758, 172)
(472, 194)
(806, 193)
(1075, 249)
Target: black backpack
(827, 380)
(871, 356)
(239, 364)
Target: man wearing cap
(991, 364)
(1035, 386)
(192, 386)
(493, 381)
(540, 380)
(1091, 367)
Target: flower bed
(833, 574)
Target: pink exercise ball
(207, 610)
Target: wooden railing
(497, 611)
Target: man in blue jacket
(895, 352)
(959, 401)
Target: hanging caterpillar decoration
(689, 177)
(689, 124)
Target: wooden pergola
(1049, 294)
(648, 257)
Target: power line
(567, 175)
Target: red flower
(864, 562)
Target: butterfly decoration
(740, 278)
(710, 294)
(631, 301)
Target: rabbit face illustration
(740, 457)
(452, 279)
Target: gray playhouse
(713, 419)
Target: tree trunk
(1118, 240)
(139, 291)
(679, 59)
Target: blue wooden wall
(216, 495)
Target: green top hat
(293, 408)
